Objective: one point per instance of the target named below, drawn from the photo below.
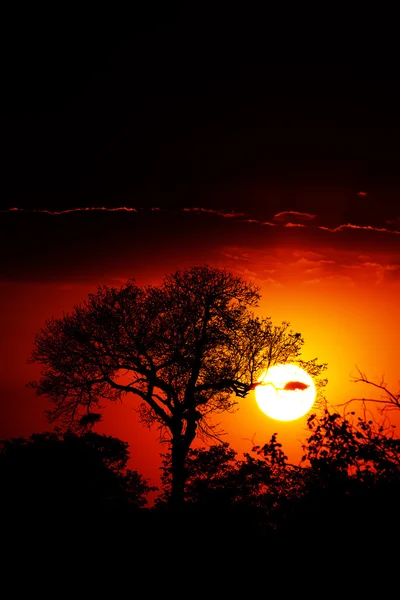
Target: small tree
(183, 348)
(251, 497)
(343, 448)
(52, 474)
(207, 471)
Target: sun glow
(286, 392)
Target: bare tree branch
(388, 402)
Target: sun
(286, 392)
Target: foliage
(184, 348)
(351, 447)
(137, 488)
(215, 477)
(55, 474)
(206, 473)
(192, 338)
(347, 483)
(350, 479)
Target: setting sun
(286, 393)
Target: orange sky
(340, 289)
(192, 137)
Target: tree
(348, 483)
(184, 348)
(206, 475)
(345, 448)
(51, 475)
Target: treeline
(347, 486)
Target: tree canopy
(53, 474)
(185, 348)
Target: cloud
(73, 210)
(259, 278)
(232, 215)
(360, 227)
(284, 219)
(334, 263)
(220, 213)
(347, 266)
(96, 243)
(376, 272)
(236, 254)
(290, 214)
(308, 254)
(374, 265)
(307, 263)
(332, 280)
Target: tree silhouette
(51, 475)
(347, 447)
(245, 491)
(185, 348)
(206, 475)
(347, 485)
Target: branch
(147, 396)
(391, 403)
(239, 388)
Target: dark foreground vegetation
(75, 492)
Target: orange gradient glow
(340, 289)
(286, 393)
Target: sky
(135, 145)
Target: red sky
(338, 284)
(133, 147)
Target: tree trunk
(178, 455)
(179, 451)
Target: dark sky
(211, 107)
(227, 109)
